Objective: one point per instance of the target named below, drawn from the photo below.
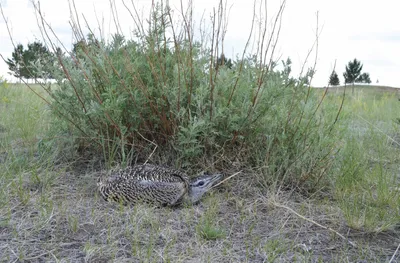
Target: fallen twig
(40, 255)
(315, 223)
(394, 254)
(226, 179)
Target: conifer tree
(353, 71)
(364, 78)
(334, 79)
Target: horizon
(374, 43)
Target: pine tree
(334, 79)
(38, 53)
(15, 63)
(353, 71)
(364, 78)
(22, 63)
(223, 61)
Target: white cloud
(364, 29)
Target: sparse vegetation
(366, 181)
(328, 156)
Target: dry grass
(66, 221)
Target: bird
(159, 185)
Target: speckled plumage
(154, 184)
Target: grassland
(50, 211)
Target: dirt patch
(68, 221)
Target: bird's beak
(216, 178)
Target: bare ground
(60, 218)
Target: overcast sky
(368, 30)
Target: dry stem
(226, 179)
(315, 223)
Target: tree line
(37, 61)
(351, 75)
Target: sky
(368, 30)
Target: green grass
(366, 174)
(209, 228)
(24, 122)
(52, 213)
(23, 116)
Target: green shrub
(124, 96)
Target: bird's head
(201, 185)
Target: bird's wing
(169, 193)
(153, 173)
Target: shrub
(166, 95)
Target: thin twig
(40, 255)
(226, 179)
(392, 258)
(390, 138)
(155, 147)
(243, 55)
(315, 223)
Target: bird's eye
(201, 183)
